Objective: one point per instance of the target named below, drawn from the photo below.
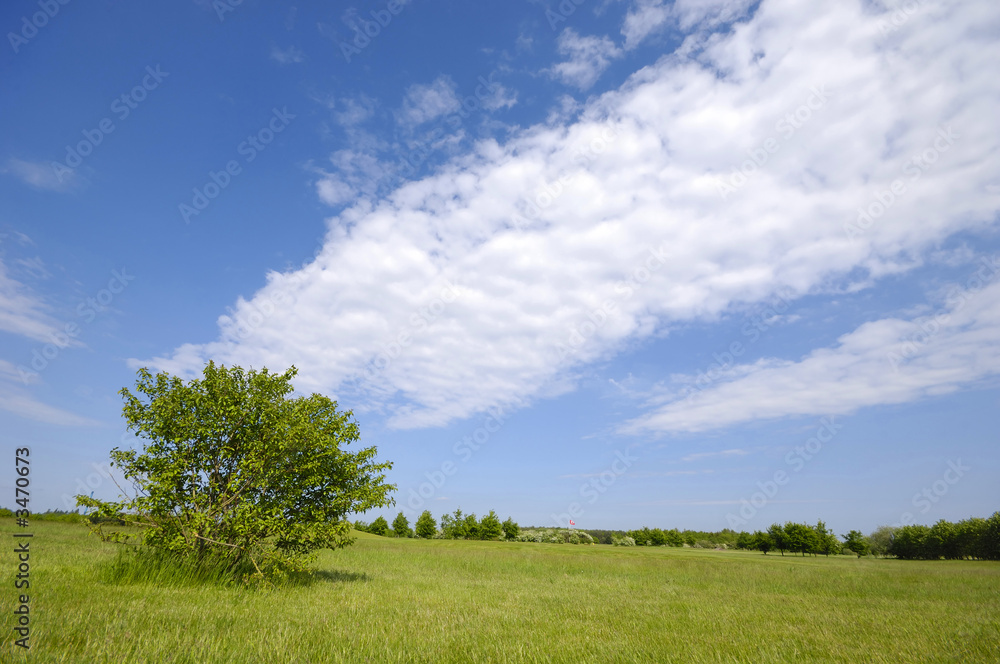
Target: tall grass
(406, 600)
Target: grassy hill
(389, 600)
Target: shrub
(426, 526)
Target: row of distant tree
(453, 526)
(974, 538)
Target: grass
(387, 600)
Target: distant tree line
(970, 539)
(453, 526)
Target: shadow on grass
(145, 566)
(327, 576)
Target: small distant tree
(763, 542)
(778, 537)
(880, 540)
(401, 526)
(471, 526)
(510, 529)
(453, 525)
(856, 542)
(490, 527)
(826, 540)
(379, 527)
(426, 526)
(657, 537)
(910, 542)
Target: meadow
(413, 600)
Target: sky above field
(631, 262)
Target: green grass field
(388, 600)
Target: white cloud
(887, 361)
(423, 103)
(290, 55)
(22, 311)
(647, 17)
(712, 455)
(41, 175)
(15, 399)
(607, 197)
(356, 110)
(588, 58)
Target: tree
(471, 526)
(826, 540)
(379, 527)
(909, 542)
(453, 525)
(763, 542)
(779, 540)
(490, 527)
(880, 540)
(856, 542)
(234, 470)
(401, 526)
(426, 526)
(510, 529)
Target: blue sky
(689, 264)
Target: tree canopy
(232, 467)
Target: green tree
(826, 540)
(234, 469)
(379, 527)
(657, 537)
(510, 529)
(856, 542)
(763, 542)
(453, 525)
(401, 526)
(471, 527)
(426, 526)
(910, 542)
(779, 539)
(880, 539)
(990, 540)
(490, 527)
